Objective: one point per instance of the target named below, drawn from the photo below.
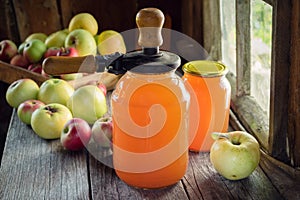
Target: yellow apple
(110, 41)
(20, 91)
(48, 121)
(39, 36)
(88, 103)
(56, 39)
(82, 41)
(234, 155)
(84, 21)
(55, 91)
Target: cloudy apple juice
(150, 129)
(211, 97)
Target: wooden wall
(19, 18)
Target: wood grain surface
(34, 168)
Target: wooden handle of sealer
(56, 65)
(150, 22)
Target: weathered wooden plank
(243, 47)
(210, 185)
(106, 185)
(256, 186)
(285, 178)
(201, 181)
(8, 28)
(280, 80)
(294, 91)
(36, 16)
(192, 20)
(34, 168)
(212, 27)
(250, 114)
(10, 73)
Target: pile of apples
(80, 38)
(54, 110)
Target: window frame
(280, 136)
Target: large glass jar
(210, 101)
(150, 110)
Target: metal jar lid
(205, 68)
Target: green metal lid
(205, 68)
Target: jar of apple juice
(150, 112)
(210, 101)
(150, 127)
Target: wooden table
(34, 168)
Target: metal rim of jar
(192, 67)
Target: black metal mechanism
(149, 21)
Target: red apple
(19, 60)
(37, 68)
(8, 50)
(68, 51)
(102, 87)
(52, 51)
(26, 109)
(102, 132)
(75, 134)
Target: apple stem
(218, 135)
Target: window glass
(228, 34)
(261, 45)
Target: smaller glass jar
(210, 102)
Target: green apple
(88, 103)
(34, 50)
(56, 39)
(84, 21)
(55, 91)
(48, 121)
(83, 41)
(39, 36)
(21, 48)
(20, 91)
(234, 155)
(110, 41)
